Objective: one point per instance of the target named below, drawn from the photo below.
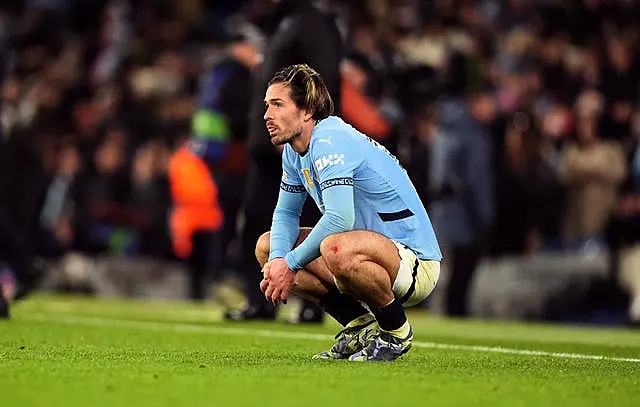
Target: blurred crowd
(518, 120)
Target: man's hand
(277, 282)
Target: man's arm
(335, 164)
(285, 225)
(339, 216)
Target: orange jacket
(195, 199)
(362, 114)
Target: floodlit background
(517, 120)
(128, 186)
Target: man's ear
(307, 115)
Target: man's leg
(465, 260)
(366, 264)
(231, 191)
(316, 283)
(261, 195)
(16, 250)
(198, 264)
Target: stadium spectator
(196, 219)
(219, 124)
(593, 172)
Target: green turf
(70, 351)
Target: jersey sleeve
(285, 224)
(335, 166)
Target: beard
(282, 139)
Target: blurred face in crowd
(144, 165)
(618, 55)
(483, 108)
(354, 74)
(285, 121)
(109, 157)
(425, 122)
(11, 90)
(589, 103)
(246, 53)
(69, 161)
(364, 38)
(554, 123)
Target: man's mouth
(271, 128)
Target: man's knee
(263, 248)
(335, 250)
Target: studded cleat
(352, 339)
(385, 348)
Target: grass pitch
(65, 351)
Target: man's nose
(267, 114)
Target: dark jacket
(220, 120)
(304, 35)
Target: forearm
(284, 232)
(285, 223)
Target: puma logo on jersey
(331, 159)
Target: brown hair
(308, 90)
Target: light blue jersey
(357, 184)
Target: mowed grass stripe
(266, 333)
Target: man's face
(283, 118)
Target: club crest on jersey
(307, 177)
(331, 159)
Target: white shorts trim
(416, 278)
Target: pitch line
(266, 333)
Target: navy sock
(391, 317)
(343, 307)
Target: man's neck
(301, 143)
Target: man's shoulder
(331, 131)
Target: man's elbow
(342, 222)
(284, 213)
(349, 222)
